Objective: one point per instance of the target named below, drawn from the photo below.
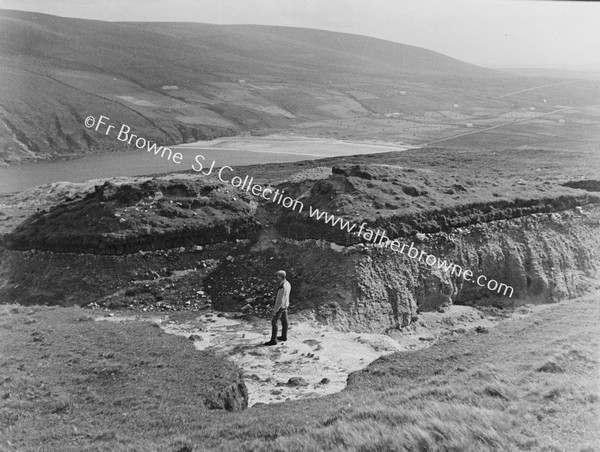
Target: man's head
(280, 275)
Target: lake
(231, 151)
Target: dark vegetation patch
(588, 185)
(157, 214)
(404, 201)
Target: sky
(490, 33)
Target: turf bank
(247, 184)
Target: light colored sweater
(282, 300)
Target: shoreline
(135, 163)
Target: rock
(551, 367)
(297, 381)
(324, 381)
(335, 247)
(194, 337)
(482, 330)
(233, 397)
(250, 318)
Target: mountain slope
(180, 82)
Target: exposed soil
(533, 234)
(320, 356)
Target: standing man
(282, 301)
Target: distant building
(469, 124)
(170, 87)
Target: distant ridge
(181, 82)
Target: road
(499, 125)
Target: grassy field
(69, 383)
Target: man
(282, 301)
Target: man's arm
(278, 300)
(285, 296)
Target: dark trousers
(280, 314)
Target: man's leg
(284, 325)
(274, 326)
(274, 320)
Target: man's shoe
(270, 343)
(281, 338)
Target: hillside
(181, 82)
(73, 384)
(157, 240)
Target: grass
(69, 381)
(472, 392)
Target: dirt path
(538, 87)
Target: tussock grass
(474, 393)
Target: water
(234, 151)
